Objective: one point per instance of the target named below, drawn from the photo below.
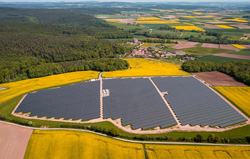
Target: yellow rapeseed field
(225, 27)
(235, 20)
(21, 87)
(79, 145)
(112, 20)
(238, 95)
(149, 18)
(239, 46)
(188, 28)
(156, 22)
(196, 152)
(143, 67)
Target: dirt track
(13, 141)
(233, 56)
(218, 79)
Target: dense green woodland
(55, 42)
(239, 70)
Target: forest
(239, 70)
(54, 42)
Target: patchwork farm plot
(185, 45)
(233, 56)
(216, 78)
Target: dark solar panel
(196, 104)
(78, 101)
(136, 102)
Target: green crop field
(125, 26)
(154, 26)
(218, 59)
(241, 52)
(203, 50)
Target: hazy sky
(126, 0)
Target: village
(157, 52)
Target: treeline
(239, 70)
(217, 40)
(59, 30)
(34, 70)
(157, 41)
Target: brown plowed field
(241, 26)
(216, 46)
(233, 56)
(13, 141)
(186, 45)
(182, 42)
(219, 22)
(247, 46)
(228, 47)
(218, 79)
(199, 23)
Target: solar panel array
(136, 102)
(78, 101)
(196, 104)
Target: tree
(114, 132)
(212, 138)
(198, 138)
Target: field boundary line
(127, 140)
(166, 102)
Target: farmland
(233, 56)
(143, 67)
(13, 141)
(216, 78)
(188, 28)
(239, 46)
(219, 59)
(195, 152)
(203, 51)
(238, 95)
(73, 144)
(225, 27)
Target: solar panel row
(78, 101)
(195, 104)
(136, 102)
